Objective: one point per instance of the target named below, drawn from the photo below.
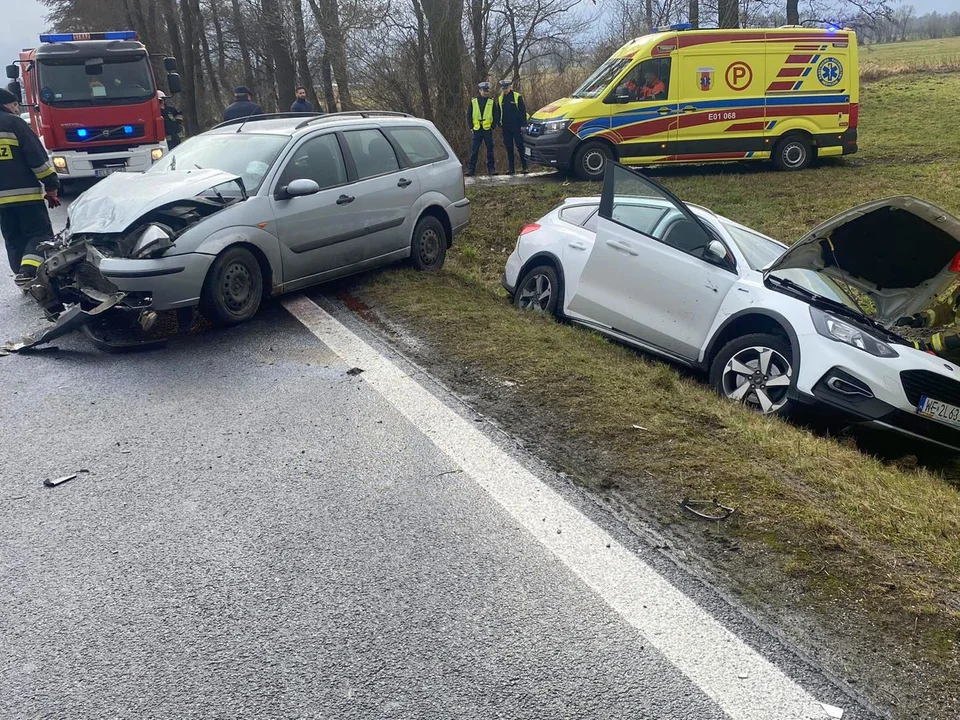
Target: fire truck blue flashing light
(675, 26)
(82, 133)
(70, 37)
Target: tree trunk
(248, 77)
(207, 60)
(695, 13)
(190, 115)
(303, 63)
(327, 15)
(277, 48)
(478, 21)
(445, 18)
(221, 48)
(729, 13)
(649, 15)
(327, 79)
(423, 80)
(793, 12)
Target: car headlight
(156, 154)
(555, 126)
(840, 331)
(153, 241)
(59, 163)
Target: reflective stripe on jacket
(24, 164)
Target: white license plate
(103, 172)
(528, 151)
(939, 411)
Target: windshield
(761, 251)
(249, 156)
(601, 78)
(123, 80)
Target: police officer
(242, 105)
(513, 117)
(483, 116)
(24, 166)
(172, 121)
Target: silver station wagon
(260, 207)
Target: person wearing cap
(172, 121)
(483, 116)
(242, 106)
(26, 180)
(513, 117)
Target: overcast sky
(20, 28)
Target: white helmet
(161, 95)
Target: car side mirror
(16, 89)
(173, 82)
(13, 72)
(716, 252)
(622, 98)
(170, 64)
(298, 188)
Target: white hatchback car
(772, 326)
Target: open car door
(656, 273)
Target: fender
(545, 254)
(261, 239)
(711, 347)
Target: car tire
(750, 370)
(590, 160)
(793, 152)
(233, 288)
(428, 248)
(539, 290)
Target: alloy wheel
(535, 293)
(758, 377)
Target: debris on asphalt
(692, 505)
(638, 427)
(450, 472)
(831, 711)
(59, 481)
(354, 371)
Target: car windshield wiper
(816, 297)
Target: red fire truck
(92, 99)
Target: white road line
(732, 674)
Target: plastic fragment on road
(831, 711)
(354, 371)
(692, 505)
(59, 481)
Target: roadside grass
(880, 61)
(878, 541)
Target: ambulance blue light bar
(71, 37)
(675, 26)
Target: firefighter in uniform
(513, 117)
(944, 312)
(26, 179)
(483, 116)
(172, 121)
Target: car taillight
(955, 263)
(529, 229)
(854, 114)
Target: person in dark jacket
(301, 104)
(172, 121)
(242, 106)
(26, 180)
(513, 117)
(483, 117)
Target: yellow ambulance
(789, 94)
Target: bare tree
(303, 62)
(327, 14)
(728, 14)
(445, 18)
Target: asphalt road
(260, 534)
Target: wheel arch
(266, 270)
(794, 131)
(748, 322)
(545, 257)
(440, 214)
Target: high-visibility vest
(515, 102)
(484, 122)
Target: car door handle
(664, 111)
(689, 108)
(345, 199)
(577, 245)
(404, 183)
(618, 245)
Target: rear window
(419, 145)
(577, 214)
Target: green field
(879, 61)
(879, 539)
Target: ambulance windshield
(601, 78)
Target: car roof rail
(355, 113)
(265, 116)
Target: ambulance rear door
(721, 99)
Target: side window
(591, 223)
(418, 144)
(648, 81)
(372, 153)
(318, 159)
(638, 204)
(578, 214)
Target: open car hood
(118, 201)
(898, 251)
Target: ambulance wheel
(590, 160)
(793, 152)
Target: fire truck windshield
(123, 80)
